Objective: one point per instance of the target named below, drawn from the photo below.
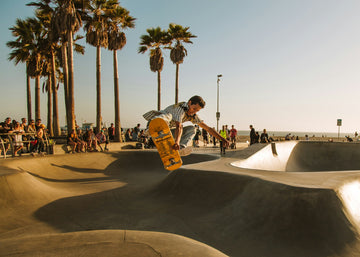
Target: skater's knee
(190, 129)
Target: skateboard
(164, 141)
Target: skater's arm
(178, 133)
(214, 133)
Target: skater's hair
(197, 100)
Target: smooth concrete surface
(304, 156)
(125, 204)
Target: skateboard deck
(164, 141)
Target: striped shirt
(178, 113)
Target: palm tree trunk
(56, 125)
(98, 88)
(49, 107)
(159, 90)
(28, 92)
(117, 100)
(71, 82)
(37, 97)
(66, 83)
(177, 84)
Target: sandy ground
(125, 204)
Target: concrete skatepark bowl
(301, 202)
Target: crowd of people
(31, 137)
(256, 138)
(88, 141)
(26, 137)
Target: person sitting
(91, 140)
(349, 139)
(23, 124)
(7, 127)
(264, 138)
(81, 142)
(102, 140)
(72, 140)
(18, 142)
(128, 136)
(39, 139)
(24, 127)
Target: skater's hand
(176, 146)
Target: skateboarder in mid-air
(175, 115)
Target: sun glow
(350, 194)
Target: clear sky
(286, 65)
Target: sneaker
(184, 151)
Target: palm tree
(66, 21)
(96, 27)
(154, 40)
(44, 13)
(22, 49)
(178, 35)
(30, 35)
(120, 20)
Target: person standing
(111, 131)
(205, 137)
(224, 134)
(233, 134)
(196, 137)
(252, 135)
(135, 133)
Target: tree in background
(22, 48)
(120, 20)
(154, 41)
(67, 20)
(178, 35)
(96, 27)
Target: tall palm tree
(22, 49)
(120, 20)
(67, 20)
(96, 27)
(30, 45)
(45, 13)
(179, 35)
(154, 41)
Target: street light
(217, 110)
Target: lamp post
(217, 110)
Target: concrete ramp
(304, 156)
(271, 157)
(126, 204)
